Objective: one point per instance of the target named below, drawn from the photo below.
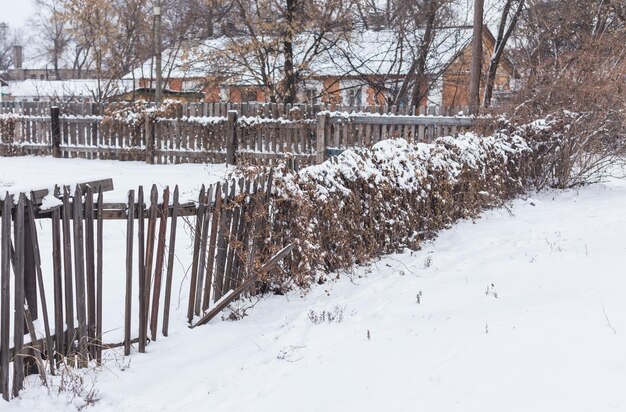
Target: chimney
(18, 57)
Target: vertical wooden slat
(150, 253)
(212, 245)
(5, 314)
(170, 264)
(220, 259)
(42, 293)
(206, 216)
(19, 299)
(158, 268)
(234, 226)
(58, 279)
(67, 270)
(99, 264)
(79, 272)
(196, 256)
(90, 271)
(142, 273)
(129, 271)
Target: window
(248, 95)
(312, 96)
(354, 97)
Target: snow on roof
(361, 53)
(64, 89)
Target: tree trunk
(289, 81)
(501, 41)
(477, 56)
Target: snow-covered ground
(521, 310)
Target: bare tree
(507, 25)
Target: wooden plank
(203, 251)
(245, 285)
(5, 314)
(142, 272)
(19, 299)
(170, 263)
(42, 294)
(105, 184)
(242, 235)
(99, 267)
(57, 279)
(150, 252)
(67, 270)
(196, 256)
(212, 245)
(129, 273)
(158, 269)
(79, 272)
(90, 271)
(234, 227)
(220, 259)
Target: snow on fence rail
(233, 138)
(207, 109)
(232, 238)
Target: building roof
(360, 53)
(66, 89)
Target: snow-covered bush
(368, 202)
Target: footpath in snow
(523, 309)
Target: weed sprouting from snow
(77, 387)
(491, 291)
(335, 315)
(419, 297)
(555, 244)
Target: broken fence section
(232, 235)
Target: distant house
(41, 68)
(65, 90)
(361, 70)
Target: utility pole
(477, 57)
(158, 93)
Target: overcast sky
(16, 12)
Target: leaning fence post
(231, 137)
(320, 152)
(56, 131)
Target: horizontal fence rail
(169, 136)
(210, 109)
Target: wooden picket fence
(232, 234)
(232, 137)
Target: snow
(63, 89)
(520, 310)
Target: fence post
(320, 151)
(149, 136)
(231, 137)
(56, 131)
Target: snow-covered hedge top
(404, 165)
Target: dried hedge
(369, 202)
